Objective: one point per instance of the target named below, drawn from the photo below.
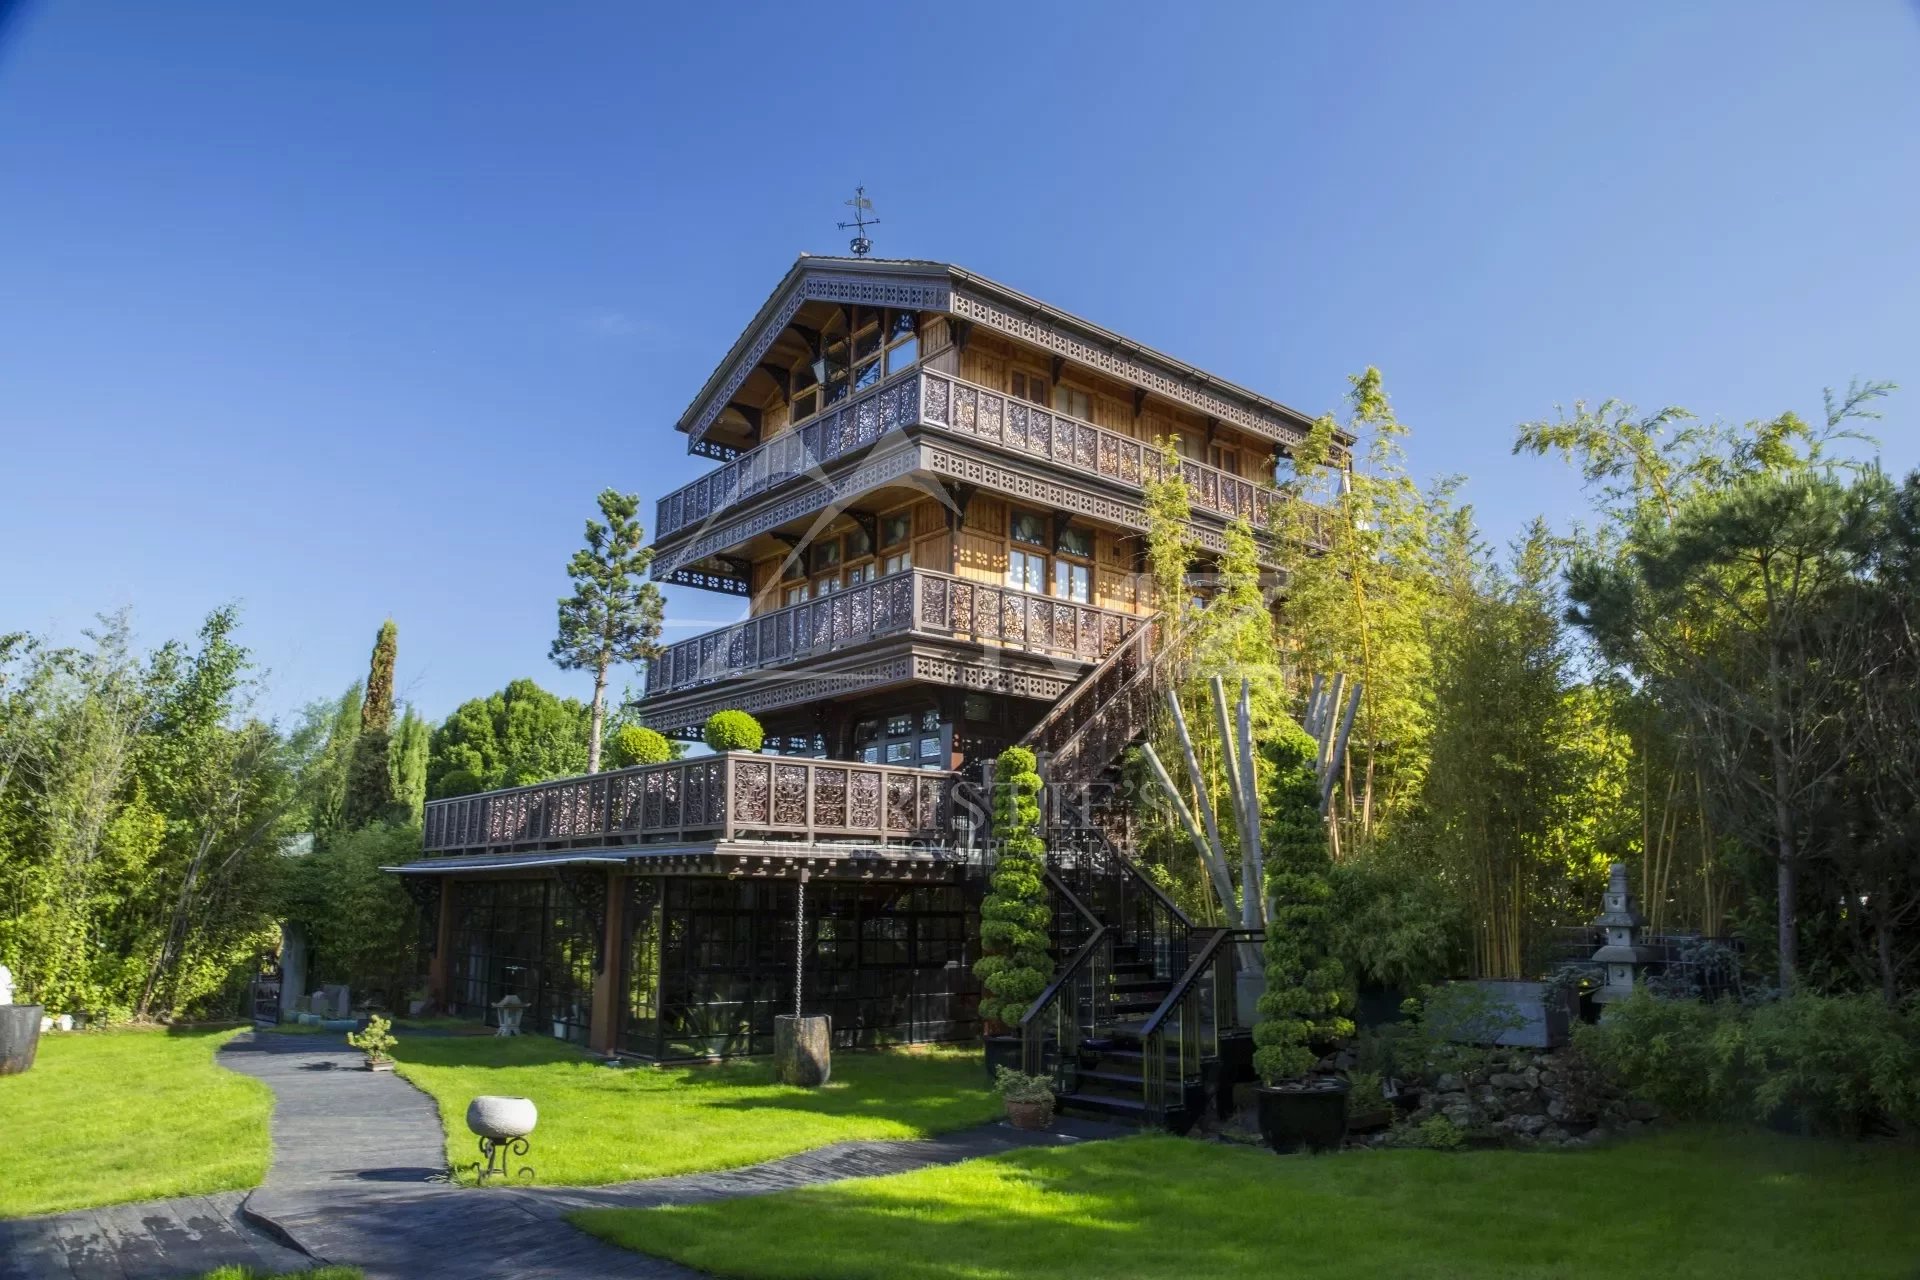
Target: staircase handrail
(1177, 992)
(1032, 1042)
(1141, 635)
(1133, 869)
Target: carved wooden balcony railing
(717, 797)
(863, 419)
(920, 601)
(967, 409)
(957, 407)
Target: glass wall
(711, 966)
(527, 938)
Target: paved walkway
(353, 1156)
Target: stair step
(1143, 983)
(1132, 1108)
(1114, 1079)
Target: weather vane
(861, 207)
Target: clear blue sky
(349, 310)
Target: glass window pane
(903, 355)
(1077, 542)
(895, 529)
(858, 544)
(866, 375)
(1030, 526)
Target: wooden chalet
(928, 489)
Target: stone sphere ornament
(502, 1124)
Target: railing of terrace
(708, 797)
(957, 407)
(920, 600)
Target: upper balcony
(918, 602)
(940, 402)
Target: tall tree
(521, 734)
(614, 614)
(370, 789)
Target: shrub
(1306, 986)
(1435, 1133)
(1014, 965)
(1834, 1064)
(1687, 1057)
(634, 744)
(1017, 1086)
(733, 731)
(376, 1041)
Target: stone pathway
(349, 1184)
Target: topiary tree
(1306, 987)
(633, 744)
(1014, 963)
(733, 731)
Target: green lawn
(601, 1124)
(318, 1273)
(110, 1116)
(1689, 1203)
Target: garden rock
(1528, 1097)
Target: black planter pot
(19, 1036)
(1002, 1051)
(1311, 1116)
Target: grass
(601, 1124)
(1687, 1203)
(110, 1116)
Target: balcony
(920, 602)
(953, 406)
(716, 797)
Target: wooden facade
(927, 501)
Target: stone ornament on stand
(508, 1010)
(502, 1125)
(1622, 959)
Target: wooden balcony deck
(921, 602)
(957, 407)
(718, 797)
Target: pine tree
(614, 614)
(370, 791)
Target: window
(796, 594)
(1072, 581)
(860, 573)
(1029, 386)
(826, 586)
(1029, 527)
(1075, 404)
(805, 400)
(898, 562)
(858, 544)
(826, 555)
(1228, 460)
(880, 343)
(793, 568)
(1026, 571)
(1076, 542)
(896, 529)
(903, 340)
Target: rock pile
(1535, 1098)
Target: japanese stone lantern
(508, 1010)
(1622, 958)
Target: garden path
(349, 1184)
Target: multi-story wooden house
(928, 492)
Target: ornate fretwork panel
(1126, 368)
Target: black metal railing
(1201, 1006)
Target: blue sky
(344, 311)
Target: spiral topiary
(1306, 987)
(733, 731)
(1014, 963)
(634, 744)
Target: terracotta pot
(502, 1118)
(1312, 1115)
(384, 1064)
(1030, 1115)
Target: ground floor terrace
(691, 954)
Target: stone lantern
(509, 1009)
(1622, 958)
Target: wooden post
(609, 1002)
(438, 967)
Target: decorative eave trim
(806, 283)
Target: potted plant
(1029, 1099)
(376, 1042)
(1306, 987)
(1014, 964)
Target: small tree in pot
(1306, 987)
(376, 1042)
(1029, 1099)
(1013, 917)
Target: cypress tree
(370, 793)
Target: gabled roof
(940, 286)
